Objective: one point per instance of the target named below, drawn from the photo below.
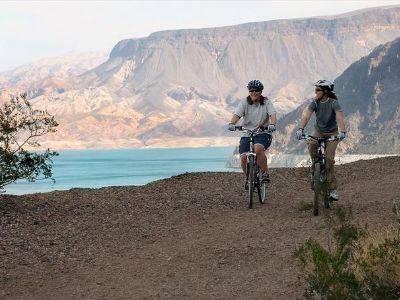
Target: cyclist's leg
(244, 147)
(262, 143)
(243, 162)
(330, 162)
(313, 148)
(261, 158)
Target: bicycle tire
(262, 188)
(250, 170)
(317, 188)
(327, 200)
(311, 179)
(324, 193)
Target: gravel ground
(190, 236)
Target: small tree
(20, 125)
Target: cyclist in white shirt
(257, 111)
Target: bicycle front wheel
(324, 192)
(250, 170)
(262, 188)
(325, 196)
(317, 187)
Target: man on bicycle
(257, 111)
(328, 114)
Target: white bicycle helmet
(325, 84)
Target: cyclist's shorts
(264, 139)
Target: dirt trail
(190, 236)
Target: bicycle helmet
(325, 84)
(255, 85)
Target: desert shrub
(351, 266)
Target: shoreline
(230, 166)
(135, 144)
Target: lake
(99, 168)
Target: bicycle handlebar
(310, 137)
(257, 130)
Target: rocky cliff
(368, 91)
(174, 86)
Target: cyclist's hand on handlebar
(342, 135)
(231, 127)
(271, 127)
(299, 133)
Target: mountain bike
(253, 171)
(318, 179)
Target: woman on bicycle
(328, 115)
(257, 111)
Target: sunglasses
(318, 90)
(254, 91)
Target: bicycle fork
(251, 159)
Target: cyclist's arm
(306, 117)
(340, 120)
(273, 118)
(235, 119)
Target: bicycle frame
(251, 134)
(322, 142)
(319, 176)
(253, 173)
(251, 152)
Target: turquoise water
(99, 168)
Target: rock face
(369, 94)
(218, 62)
(175, 85)
(49, 74)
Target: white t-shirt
(255, 114)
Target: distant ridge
(184, 84)
(369, 94)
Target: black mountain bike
(318, 180)
(253, 171)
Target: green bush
(350, 267)
(380, 264)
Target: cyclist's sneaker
(333, 194)
(246, 186)
(265, 177)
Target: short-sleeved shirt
(325, 113)
(255, 114)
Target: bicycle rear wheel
(250, 170)
(317, 187)
(262, 188)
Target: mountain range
(180, 87)
(369, 93)
(48, 75)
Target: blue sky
(30, 30)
